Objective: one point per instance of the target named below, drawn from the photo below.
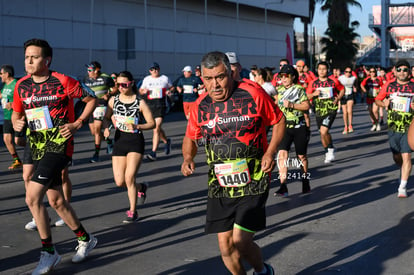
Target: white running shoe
(59, 223)
(83, 249)
(402, 192)
(378, 127)
(31, 225)
(327, 160)
(331, 154)
(373, 128)
(47, 262)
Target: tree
(339, 44)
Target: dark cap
(287, 69)
(198, 67)
(253, 67)
(93, 64)
(155, 65)
(402, 62)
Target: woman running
(292, 100)
(347, 101)
(126, 110)
(371, 85)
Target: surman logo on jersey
(224, 120)
(34, 98)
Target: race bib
(39, 118)
(123, 121)
(325, 92)
(373, 92)
(156, 93)
(99, 112)
(4, 102)
(233, 173)
(188, 89)
(348, 90)
(401, 104)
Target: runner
(325, 92)
(304, 79)
(44, 99)
(238, 185)
(371, 86)
(10, 137)
(189, 86)
(276, 81)
(127, 110)
(398, 96)
(260, 77)
(154, 89)
(101, 84)
(292, 100)
(347, 101)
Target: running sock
(15, 156)
(403, 184)
(97, 148)
(47, 245)
(82, 234)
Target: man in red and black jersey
(325, 92)
(398, 97)
(231, 121)
(43, 100)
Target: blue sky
(361, 15)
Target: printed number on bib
(123, 121)
(401, 104)
(99, 112)
(233, 174)
(39, 118)
(156, 93)
(325, 92)
(188, 89)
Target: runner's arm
(18, 121)
(147, 115)
(189, 150)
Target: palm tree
(338, 45)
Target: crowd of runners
(247, 120)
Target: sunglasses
(372, 71)
(90, 70)
(348, 72)
(126, 84)
(405, 70)
(284, 75)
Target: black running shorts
(247, 212)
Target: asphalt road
(351, 223)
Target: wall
(173, 36)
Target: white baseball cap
(232, 56)
(187, 69)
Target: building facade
(131, 34)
